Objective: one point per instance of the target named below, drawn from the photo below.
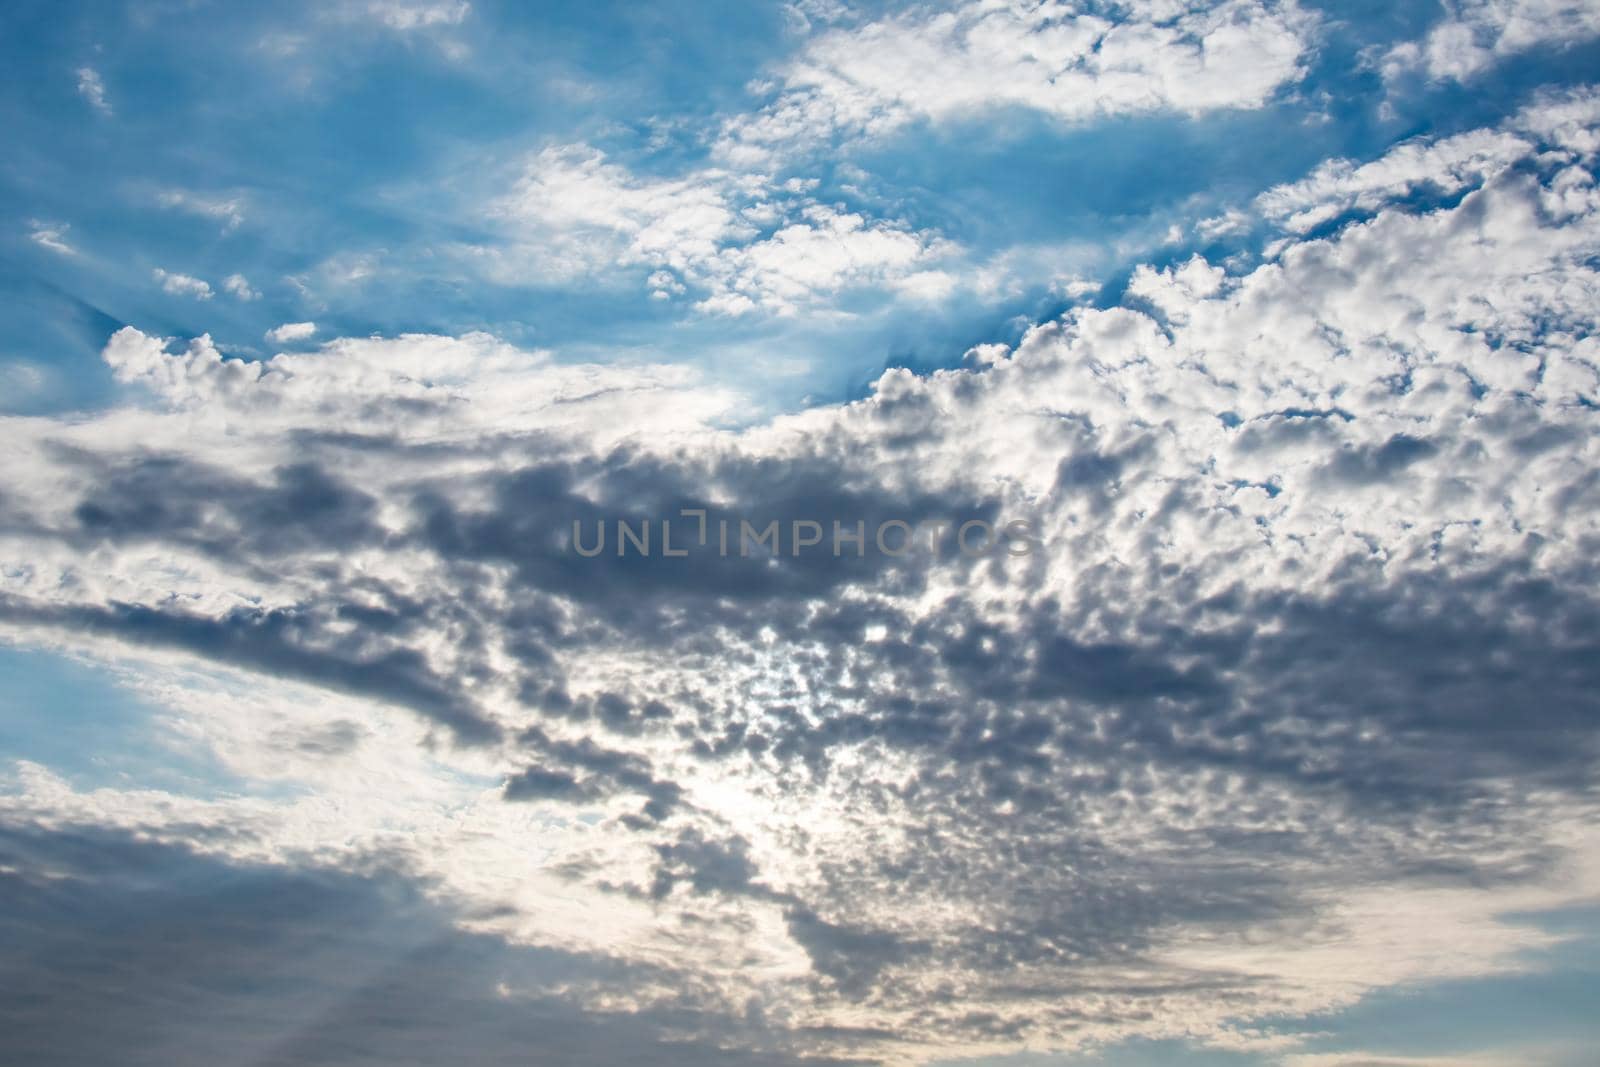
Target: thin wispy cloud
(51, 236)
(228, 211)
(417, 14)
(93, 89)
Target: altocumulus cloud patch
(1288, 704)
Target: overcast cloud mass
(1268, 735)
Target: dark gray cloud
(293, 644)
(116, 950)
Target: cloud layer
(1295, 697)
(1073, 62)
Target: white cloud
(182, 284)
(229, 211)
(1563, 122)
(824, 251)
(927, 285)
(52, 236)
(291, 331)
(1448, 166)
(1567, 121)
(743, 244)
(1225, 748)
(1478, 33)
(417, 14)
(92, 89)
(1054, 58)
(596, 212)
(22, 379)
(238, 285)
(448, 386)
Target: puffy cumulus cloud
(1566, 121)
(1475, 34)
(741, 242)
(1294, 698)
(1072, 61)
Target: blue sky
(320, 324)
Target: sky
(1251, 342)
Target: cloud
(1478, 33)
(51, 236)
(417, 14)
(24, 379)
(822, 252)
(294, 964)
(1375, 1059)
(1074, 64)
(182, 284)
(291, 331)
(1293, 702)
(228, 211)
(92, 89)
(596, 212)
(742, 243)
(430, 385)
(238, 285)
(1422, 170)
(1447, 167)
